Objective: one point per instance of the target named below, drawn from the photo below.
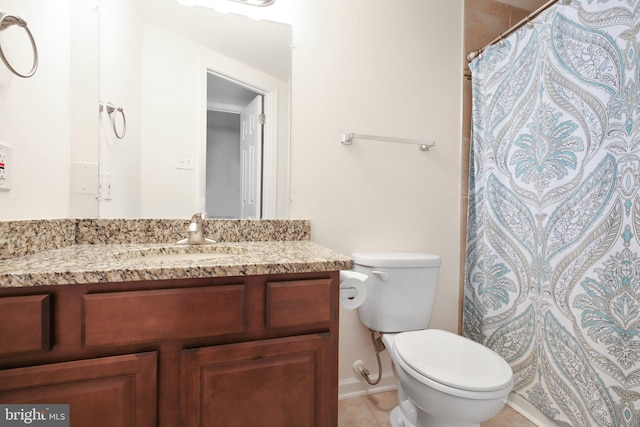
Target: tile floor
(373, 411)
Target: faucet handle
(194, 229)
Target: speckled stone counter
(25, 237)
(95, 251)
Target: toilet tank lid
(396, 259)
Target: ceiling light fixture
(259, 3)
(279, 12)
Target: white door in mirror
(6, 166)
(251, 159)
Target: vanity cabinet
(108, 391)
(278, 382)
(227, 351)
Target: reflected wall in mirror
(155, 59)
(50, 120)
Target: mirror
(147, 61)
(170, 72)
(50, 120)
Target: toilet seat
(452, 361)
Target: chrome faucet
(196, 236)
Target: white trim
(236, 80)
(353, 387)
(201, 176)
(527, 410)
(225, 108)
(270, 156)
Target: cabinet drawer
(25, 324)
(298, 303)
(122, 318)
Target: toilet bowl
(445, 380)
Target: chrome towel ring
(112, 111)
(7, 20)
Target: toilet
(444, 380)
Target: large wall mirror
(139, 109)
(204, 93)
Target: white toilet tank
(401, 289)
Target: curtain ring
(7, 20)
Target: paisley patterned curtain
(552, 277)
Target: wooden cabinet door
(118, 391)
(281, 382)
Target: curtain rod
(473, 54)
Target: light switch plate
(84, 178)
(185, 161)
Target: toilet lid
(453, 360)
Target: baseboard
(530, 412)
(353, 387)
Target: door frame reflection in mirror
(233, 170)
(269, 163)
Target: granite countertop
(96, 263)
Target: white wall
(120, 82)
(85, 90)
(35, 112)
(381, 68)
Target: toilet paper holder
(353, 291)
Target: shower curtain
(552, 278)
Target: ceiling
(529, 5)
(264, 45)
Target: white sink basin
(181, 257)
(180, 253)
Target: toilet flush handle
(383, 275)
